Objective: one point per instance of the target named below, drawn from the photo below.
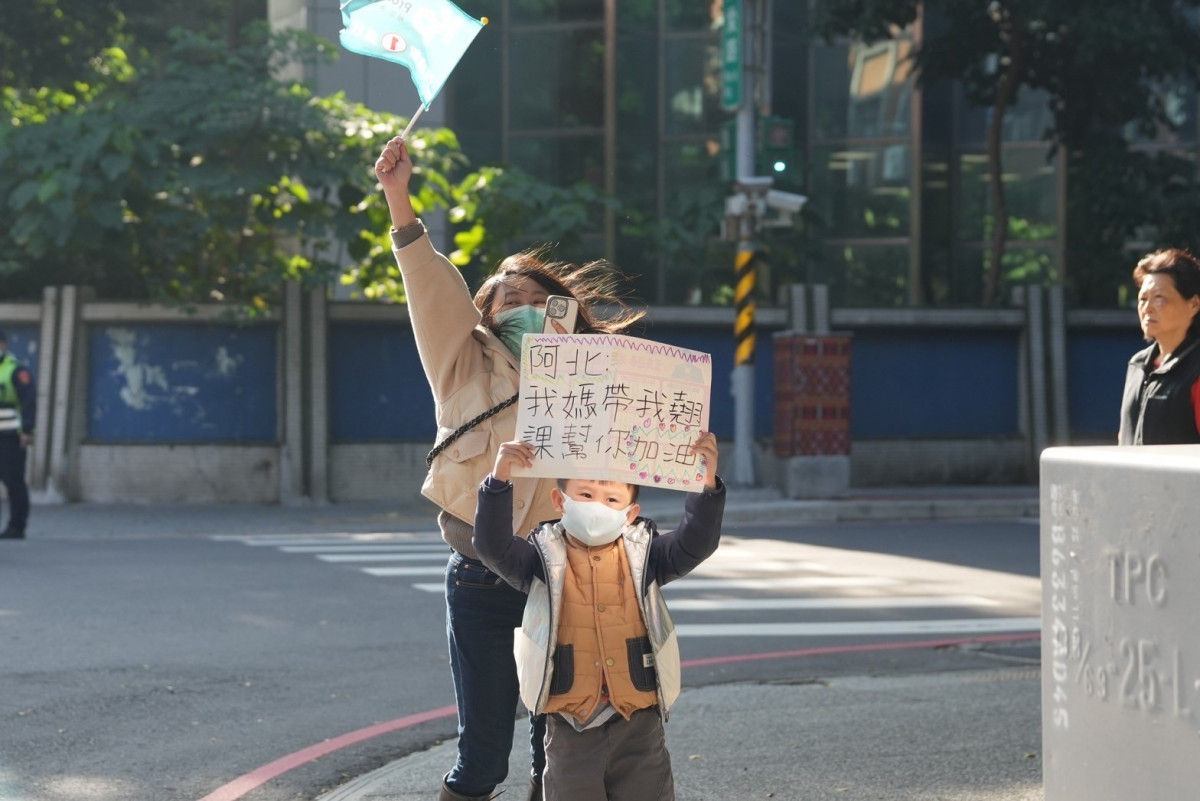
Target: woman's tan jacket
(469, 371)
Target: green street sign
(731, 56)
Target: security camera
(754, 183)
(787, 202)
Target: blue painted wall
(377, 389)
(168, 383)
(906, 383)
(920, 383)
(378, 392)
(214, 383)
(1095, 379)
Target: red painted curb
(243, 784)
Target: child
(597, 650)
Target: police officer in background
(18, 414)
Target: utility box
(1120, 546)
(812, 413)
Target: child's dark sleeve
(678, 553)
(512, 558)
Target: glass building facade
(626, 95)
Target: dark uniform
(18, 415)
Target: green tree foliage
(1124, 203)
(189, 171)
(53, 43)
(1099, 62)
(497, 207)
(45, 43)
(208, 178)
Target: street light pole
(742, 381)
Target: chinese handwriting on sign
(613, 407)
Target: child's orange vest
(602, 629)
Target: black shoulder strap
(467, 426)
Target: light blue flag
(427, 36)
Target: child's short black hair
(633, 488)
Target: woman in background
(1161, 404)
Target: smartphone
(561, 310)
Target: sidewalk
(959, 736)
(410, 512)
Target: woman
(470, 350)
(1161, 405)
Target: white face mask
(591, 522)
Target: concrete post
(1035, 330)
(797, 308)
(820, 293)
(1057, 324)
(40, 463)
(292, 456)
(58, 415)
(1120, 646)
(318, 395)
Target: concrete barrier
(1120, 542)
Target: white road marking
(433, 570)
(399, 547)
(774, 572)
(383, 557)
(860, 628)
(889, 602)
(791, 583)
(273, 541)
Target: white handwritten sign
(613, 407)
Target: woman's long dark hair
(594, 284)
(1184, 270)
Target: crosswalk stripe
(859, 628)
(776, 577)
(381, 557)
(399, 547)
(789, 582)
(272, 541)
(433, 570)
(890, 602)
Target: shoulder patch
(23, 376)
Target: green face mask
(513, 324)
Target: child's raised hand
(706, 448)
(512, 454)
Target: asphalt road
(156, 667)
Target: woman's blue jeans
(481, 613)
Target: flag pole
(412, 122)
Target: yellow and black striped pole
(743, 301)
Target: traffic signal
(728, 165)
(776, 151)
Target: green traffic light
(780, 166)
